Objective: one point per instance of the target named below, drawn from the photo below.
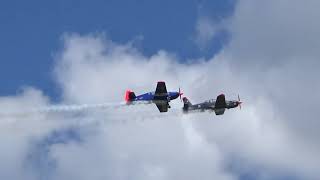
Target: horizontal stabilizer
(186, 103)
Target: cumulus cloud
(164, 147)
(207, 30)
(17, 132)
(270, 61)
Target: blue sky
(31, 32)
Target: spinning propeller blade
(239, 102)
(180, 94)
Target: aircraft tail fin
(186, 103)
(129, 96)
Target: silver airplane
(217, 105)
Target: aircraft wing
(219, 111)
(160, 96)
(161, 89)
(220, 102)
(162, 107)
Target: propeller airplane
(160, 97)
(217, 105)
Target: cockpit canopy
(211, 101)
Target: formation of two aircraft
(161, 97)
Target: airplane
(218, 106)
(160, 97)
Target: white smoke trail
(140, 115)
(62, 108)
(81, 107)
(72, 108)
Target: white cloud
(162, 146)
(270, 61)
(206, 30)
(18, 131)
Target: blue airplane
(160, 97)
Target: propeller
(239, 102)
(180, 94)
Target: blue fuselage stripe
(150, 96)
